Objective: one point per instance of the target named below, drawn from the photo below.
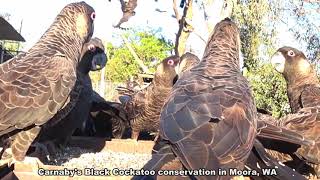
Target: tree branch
(185, 29)
(144, 68)
(175, 10)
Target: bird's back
(211, 112)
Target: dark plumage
(303, 85)
(132, 86)
(279, 143)
(270, 133)
(210, 117)
(93, 58)
(109, 118)
(306, 122)
(35, 85)
(209, 120)
(144, 106)
(303, 89)
(259, 159)
(128, 11)
(187, 61)
(285, 143)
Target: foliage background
(260, 22)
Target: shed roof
(7, 32)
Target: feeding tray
(32, 170)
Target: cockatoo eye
(171, 62)
(92, 48)
(93, 15)
(291, 53)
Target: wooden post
(18, 49)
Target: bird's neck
(163, 80)
(158, 92)
(296, 83)
(297, 79)
(84, 65)
(220, 64)
(221, 58)
(61, 39)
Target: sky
(37, 16)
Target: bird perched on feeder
(210, 120)
(210, 116)
(144, 106)
(34, 86)
(93, 58)
(303, 90)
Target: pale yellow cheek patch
(81, 25)
(304, 66)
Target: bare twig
(185, 29)
(197, 34)
(160, 11)
(176, 12)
